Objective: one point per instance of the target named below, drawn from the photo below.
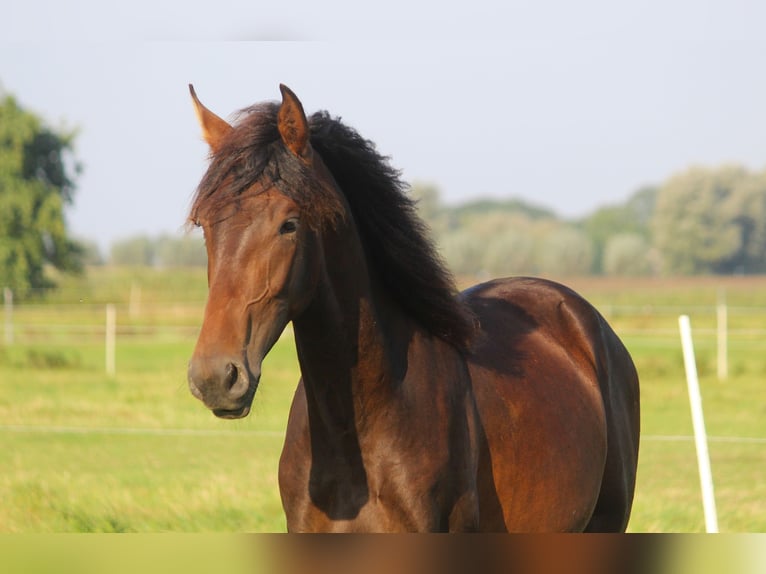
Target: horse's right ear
(214, 129)
(293, 125)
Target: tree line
(703, 220)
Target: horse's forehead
(269, 198)
(262, 198)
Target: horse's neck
(352, 345)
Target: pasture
(82, 451)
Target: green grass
(84, 452)
(103, 482)
(81, 451)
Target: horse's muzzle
(226, 387)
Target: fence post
(111, 328)
(723, 333)
(698, 421)
(8, 304)
(134, 306)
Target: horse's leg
(614, 500)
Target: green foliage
(632, 217)
(512, 205)
(512, 250)
(701, 221)
(462, 249)
(626, 254)
(566, 251)
(712, 221)
(494, 238)
(427, 198)
(184, 251)
(36, 184)
(135, 251)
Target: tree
(428, 201)
(699, 223)
(463, 249)
(511, 251)
(565, 252)
(481, 207)
(183, 251)
(633, 216)
(627, 254)
(139, 251)
(749, 205)
(37, 171)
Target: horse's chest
(392, 492)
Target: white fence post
(698, 420)
(8, 304)
(110, 337)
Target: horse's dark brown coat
(511, 406)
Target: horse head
(263, 261)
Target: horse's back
(557, 396)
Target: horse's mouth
(232, 413)
(230, 397)
(246, 403)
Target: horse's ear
(214, 129)
(293, 125)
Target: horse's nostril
(231, 375)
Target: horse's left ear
(293, 125)
(214, 129)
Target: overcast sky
(570, 105)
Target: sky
(567, 105)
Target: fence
(718, 326)
(85, 325)
(88, 325)
(54, 324)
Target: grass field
(81, 451)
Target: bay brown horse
(511, 406)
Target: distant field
(81, 451)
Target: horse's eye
(289, 226)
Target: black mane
(395, 238)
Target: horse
(510, 406)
